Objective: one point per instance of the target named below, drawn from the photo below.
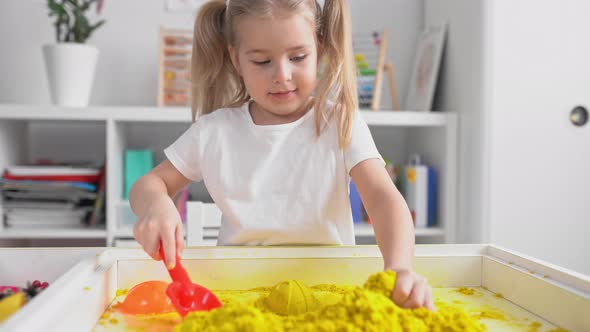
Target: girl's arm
(157, 217)
(394, 231)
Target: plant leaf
(98, 24)
(86, 5)
(56, 7)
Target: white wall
(128, 43)
(462, 86)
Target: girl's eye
(299, 58)
(261, 63)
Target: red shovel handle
(184, 295)
(178, 273)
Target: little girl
(277, 143)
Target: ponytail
(215, 81)
(338, 78)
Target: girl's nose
(282, 72)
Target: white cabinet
(514, 71)
(540, 161)
(96, 133)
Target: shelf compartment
(366, 230)
(57, 233)
(401, 118)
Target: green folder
(137, 164)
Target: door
(539, 161)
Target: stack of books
(418, 184)
(52, 196)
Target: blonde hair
(217, 84)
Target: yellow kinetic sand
(293, 307)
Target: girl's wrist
(396, 268)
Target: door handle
(579, 116)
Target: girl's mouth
(283, 95)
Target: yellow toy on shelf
(11, 304)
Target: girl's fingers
(428, 301)
(416, 298)
(179, 239)
(169, 244)
(152, 246)
(402, 288)
(147, 239)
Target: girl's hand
(411, 290)
(161, 222)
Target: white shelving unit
(364, 229)
(75, 233)
(24, 137)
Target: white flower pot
(70, 72)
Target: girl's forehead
(273, 34)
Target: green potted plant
(70, 62)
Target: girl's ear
(233, 54)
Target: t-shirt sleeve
(184, 153)
(362, 146)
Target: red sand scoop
(184, 294)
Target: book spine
(432, 197)
(356, 204)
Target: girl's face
(277, 59)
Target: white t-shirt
(274, 184)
